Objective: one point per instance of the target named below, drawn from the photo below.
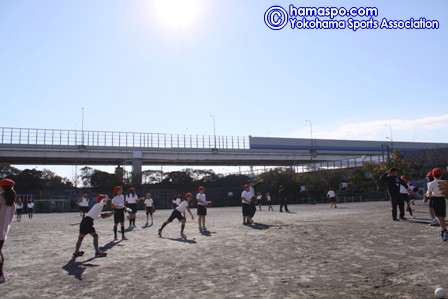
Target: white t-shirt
(259, 197)
(433, 187)
(182, 207)
(95, 211)
(252, 191)
(331, 193)
(84, 202)
(177, 201)
(6, 216)
(246, 196)
(149, 202)
(118, 201)
(19, 205)
(268, 198)
(202, 199)
(30, 205)
(403, 190)
(132, 198)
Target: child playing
(259, 196)
(268, 200)
(131, 203)
(30, 207)
(86, 226)
(434, 221)
(179, 213)
(246, 198)
(84, 205)
(149, 207)
(405, 194)
(331, 195)
(7, 209)
(176, 201)
(437, 201)
(118, 206)
(19, 207)
(202, 207)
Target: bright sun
(177, 13)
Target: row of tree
(363, 179)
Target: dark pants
(284, 203)
(397, 200)
(253, 209)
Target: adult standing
(283, 199)
(394, 182)
(7, 210)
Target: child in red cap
(179, 214)
(7, 209)
(119, 208)
(202, 207)
(86, 226)
(131, 202)
(437, 202)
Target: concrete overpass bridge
(76, 147)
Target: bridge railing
(29, 136)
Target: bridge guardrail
(32, 136)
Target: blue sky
(161, 66)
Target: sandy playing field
(355, 251)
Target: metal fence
(29, 136)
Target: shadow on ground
(76, 269)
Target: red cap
(117, 188)
(246, 186)
(404, 178)
(437, 171)
(148, 194)
(258, 193)
(131, 189)
(429, 174)
(188, 195)
(100, 197)
(201, 188)
(85, 195)
(7, 182)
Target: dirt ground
(355, 251)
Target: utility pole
(214, 128)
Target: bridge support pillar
(137, 169)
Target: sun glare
(177, 13)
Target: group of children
(121, 204)
(19, 209)
(400, 191)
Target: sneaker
(124, 238)
(2, 279)
(444, 235)
(434, 223)
(115, 239)
(79, 253)
(395, 219)
(183, 236)
(160, 233)
(412, 217)
(403, 218)
(100, 254)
